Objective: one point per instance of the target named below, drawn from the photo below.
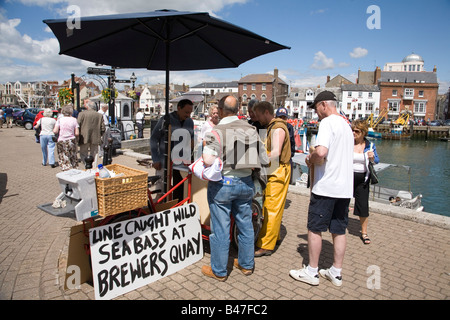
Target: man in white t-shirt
(332, 188)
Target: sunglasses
(356, 130)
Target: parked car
(435, 123)
(28, 117)
(17, 115)
(447, 122)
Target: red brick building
(264, 87)
(413, 91)
(400, 90)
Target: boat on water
(373, 134)
(401, 198)
(397, 132)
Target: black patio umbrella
(161, 40)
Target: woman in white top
(68, 129)
(47, 123)
(363, 152)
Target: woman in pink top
(68, 129)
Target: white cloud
(321, 62)
(319, 11)
(26, 59)
(358, 53)
(90, 8)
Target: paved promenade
(407, 260)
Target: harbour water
(430, 170)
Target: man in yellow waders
(278, 148)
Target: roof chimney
(328, 79)
(434, 69)
(377, 75)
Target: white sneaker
(337, 281)
(304, 276)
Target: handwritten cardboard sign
(132, 253)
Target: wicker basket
(124, 193)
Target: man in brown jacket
(92, 128)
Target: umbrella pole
(168, 166)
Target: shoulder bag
(373, 175)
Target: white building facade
(211, 88)
(411, 63)
(360, 101)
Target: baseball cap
(323, 96)
(282, 112)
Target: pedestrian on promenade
(67, 129)
(47, 124)
(232, 140)
(106, 135)
(140, 121)
(278, 148)
(179, 119)
(9, 117)
(92, 127)
(332, 188)
(364, 151)
(253, 120)
(1, 117)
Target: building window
(349, 94)
(419, 107)
(349, 106)
(420, 93)
(244, 86)
(264, 86)
(394, 93)
(370, 94)
(409, 93)
(264, 97)
(359, 106)
(393, 106)
(418, 67)
(244, 98)
(369, 106)
(253, 86)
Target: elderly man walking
(92, 128)
(332, 188)
(237, 144)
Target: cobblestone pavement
(411, 259)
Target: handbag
(55, 138)
(373, 174)
(210, 173)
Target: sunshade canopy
(140, 40)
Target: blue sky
(327, 37)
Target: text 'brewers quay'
(201, 159)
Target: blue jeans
(48, 149)
(226, 199)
